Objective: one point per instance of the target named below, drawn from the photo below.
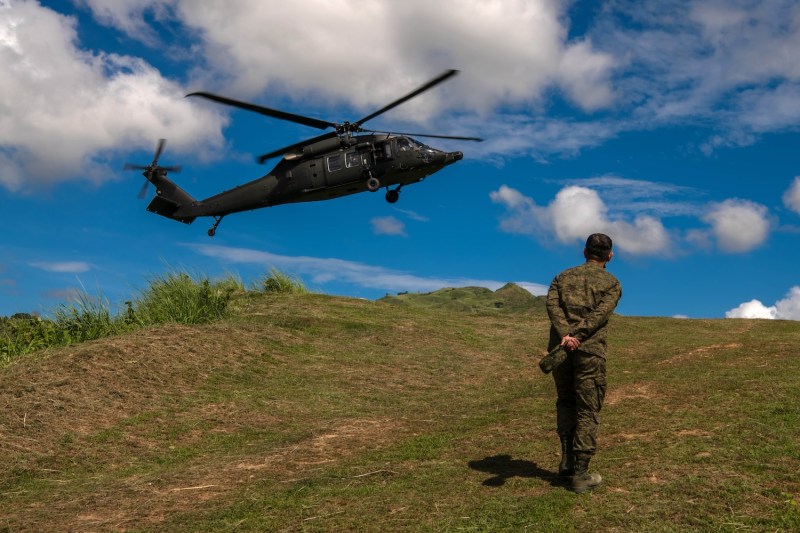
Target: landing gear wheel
(213, 230)
(373, 184)
(392, 196)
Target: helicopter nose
(452, 157)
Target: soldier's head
(598, 248)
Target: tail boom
(171, 201)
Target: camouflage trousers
(581, 388)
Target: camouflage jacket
(579, 302)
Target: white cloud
(575, 213)
(752, 309)
(413, 215)
(791, 198)
(129, 15)
(738, 225)
(787, 308)
(65, 109)
(327, 270)
(388, 226)
(252, 43)
(63, 267)
(737, 70)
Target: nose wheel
(392, 195)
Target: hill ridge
(510, 298)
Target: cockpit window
(352, 159)
(404, 145)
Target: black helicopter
(334, 164)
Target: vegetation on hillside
(305, 412)
(176, 297)
(510, 298)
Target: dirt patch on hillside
(630, 391)
(700, 353)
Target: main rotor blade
(294, 146)
(429, 135)
(436, 81)
(275, 113)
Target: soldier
(579, 303)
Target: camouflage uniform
(579, 302)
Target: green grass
(175, 297)
(281, 283)
(305, 412)
(510, 298)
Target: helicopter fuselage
(323, 171)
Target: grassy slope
(509, 298)
(307, 412)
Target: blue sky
(670, 125)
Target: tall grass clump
(281, 283)
(177, 297)
(83, 319)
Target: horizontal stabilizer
(167, 208)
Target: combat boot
(582, 480)
(567, 466)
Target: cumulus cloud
(66, 109)
(752, 309)
(388, 226)
(327, 270)
(738, 225)
(787, 308)
(251, 43)
(575, 213)
(791, 198)
(635, 224)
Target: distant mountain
(510, 298)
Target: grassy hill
(316, 413)
(510, 298)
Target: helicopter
(335, 164)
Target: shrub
(278, 282)
(178, 297)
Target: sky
(672, 126)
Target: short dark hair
(598, 246)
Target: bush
(278, 282)
(178, 297)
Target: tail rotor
(152, 171)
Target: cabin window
(387, 150)
(335, 162)
(352, 159)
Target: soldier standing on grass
(579, 303)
